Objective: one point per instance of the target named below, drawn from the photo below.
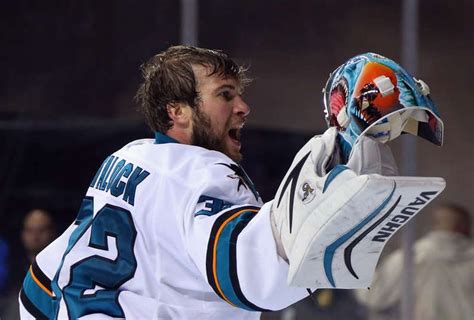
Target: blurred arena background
(70, 70)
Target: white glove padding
(308, 165)
(371, 156)
(332, 227)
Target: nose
(241, 107)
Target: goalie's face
(220, 114)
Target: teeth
(361, 115)
(344, 85)
(341, 85)
(238, 126)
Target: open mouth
(235, 133)
(365, 112)
(338, 100)
(368, 116)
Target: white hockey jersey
(166, 231)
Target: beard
(205, 137)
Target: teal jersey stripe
(221, 265)
(161, 138)
(225, 255)
(38, 297)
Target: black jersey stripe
(211, 244)
(39, 274)
(240, 217)
(30, 307)
(233, 266)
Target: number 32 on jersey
(95, 280)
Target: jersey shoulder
(185, 168)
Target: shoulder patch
(242, 177)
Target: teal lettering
(137, 177)
(105, 182)
(97, 174)
(117, 185)
(104, 172)
(119, 166)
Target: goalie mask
(372, 95)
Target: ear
(180, 114)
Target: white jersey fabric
(166, 231)
(443, 282)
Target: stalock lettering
(119, 178)
(135, 179)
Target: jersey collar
(161, 138)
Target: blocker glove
(331, 225)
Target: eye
(227, 95)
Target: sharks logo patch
(242, 177)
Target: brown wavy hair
(169, 78)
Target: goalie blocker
(332, 226)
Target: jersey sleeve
(230, 240)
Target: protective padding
(372, 95)
(340, 242)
